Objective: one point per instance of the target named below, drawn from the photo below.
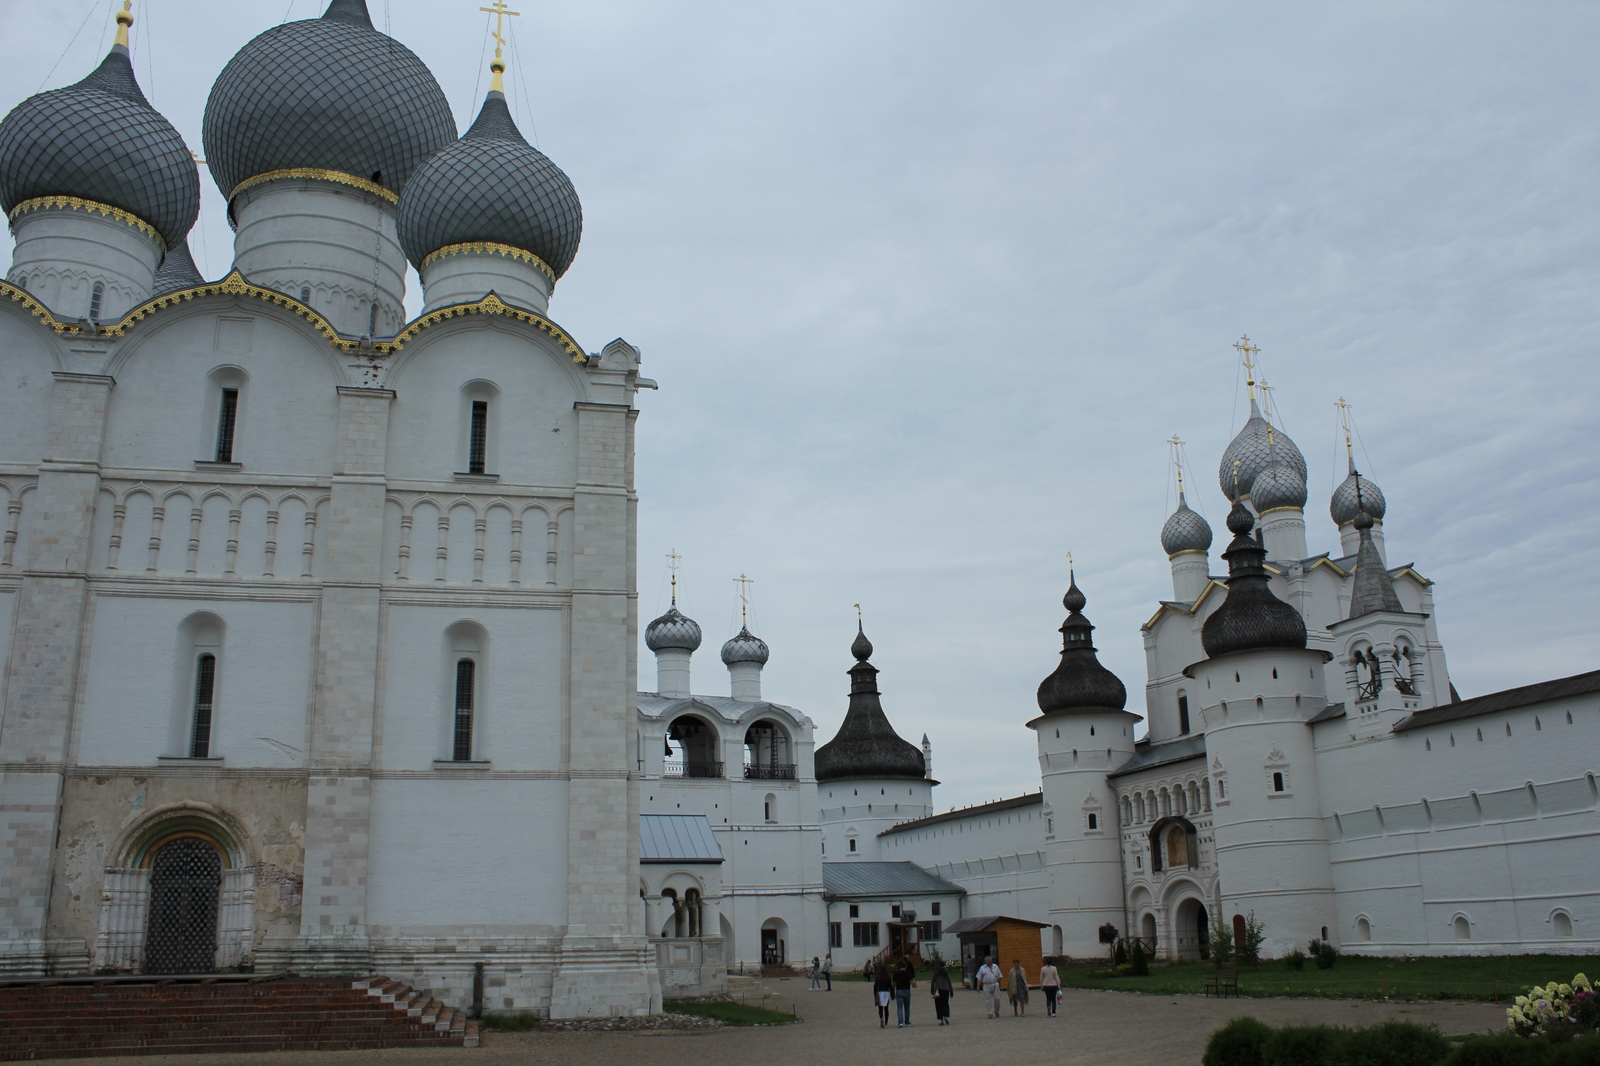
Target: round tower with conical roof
(311, 132)
(98, 187)
(1258, 689)
(869, 778)
(1084, 732)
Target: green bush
(1305, 1045)
(1393, 1043)
(1323, 953)
(1248, 948)
(1295, 960)
(1242, 1042)
(1140, 964)
(1221, 945)
(1121, 956)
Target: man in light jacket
(989, 978)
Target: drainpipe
(477, 990)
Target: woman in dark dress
(940, 984)
(882, 993)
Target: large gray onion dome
(1080, 683)
(1251, 617)
(330, 93)
(177, 271)
(1278, 485)
(1186, 530)
(493, 186)
(1256, 445)
(672, 630)
(1344, 507)
(746, 647)
(101, 140)
(866, 744)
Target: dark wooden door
(185, 880)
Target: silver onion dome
(329, 93)
(492, 186)
(672, 630)
(1343, 507)
(1256, 445)
(1278, 485)
(1186, 531)
(101, 140)
(746, 647)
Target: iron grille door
(184, 883)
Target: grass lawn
(1505, 976)
(731, 1013)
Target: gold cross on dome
(1249, 351)
(501, 12)
(672, 565)
(744, 584)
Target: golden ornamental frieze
(77, 203)
(235, 285)
(337, 177)
(489, 248)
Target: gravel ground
(841, 1029)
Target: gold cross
(1249, 351)
(1344, 424)
(672, 565)
(500, 12)
(744, 598)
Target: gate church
(319, 625)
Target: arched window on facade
(1463, 927)
(97, 296)
(1183, 712)
(692, 748)
(673, 923)
(205, 688)
(1363, 929)
(199, 663)
(224, 414)
(479, 439)
(767, 753)
(466, 698)
(465, 652)
(1561, 923)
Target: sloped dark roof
(677, 838)
(866, 744)
(1373, 588)
(983, 922)
(860, 879)
(1327, 714)
(1506, 700)
(1251, 617)
(1168, 751)
(1031, 799)
(1080, 683)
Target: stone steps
(167, 1016)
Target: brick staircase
(69, 1017)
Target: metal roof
(855, 880)
(677, 838)
(966, 812)
(978, 925)
(1507, 700)
(1170, 751)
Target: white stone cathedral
(318, 625)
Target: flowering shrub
(1558, 1011)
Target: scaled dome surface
(1185, 531)
(1278, 485)
(745, 647)
(672, 630)
(101, 140)
(1343, 507)
(492, 186)
(330, 93)
(1256, 445)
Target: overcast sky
(927, 286)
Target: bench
(1225, 983)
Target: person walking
(827, 970)
(942, 989)
(1050, 985)
(989, 981)
(882, 992)
(905, 979)
(1018, 989)
(816, 975)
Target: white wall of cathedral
(997, 855)
(468, 277)
(1165, 865)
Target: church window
(1463, 927)
(1561, 923)
(205, 684)
(96, 298)
(1094, 821)
(1274, 673)
(852, 843)
(1569, 717)
(1428, 744)
(855, 910)
(227, 421)
(1277, 781)
(1537, 725)
(769, 805)
(1452, 740)
(1222, 790)
(1363, 929)
(1508, 729)
(466, 692)
(1480, 736)
(305, 295)
(1091, 731)
(478, 444)
(1183, 713)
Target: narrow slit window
(305, 295)
(1277, 781)
(205, 684)
(466, 689)
(478, 441)
(96, 298)
(1183, 714)
(227, 422)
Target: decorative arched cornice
(75, 203)
(133, 847)
(336, 177)
(489, 248)
(235, 285)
